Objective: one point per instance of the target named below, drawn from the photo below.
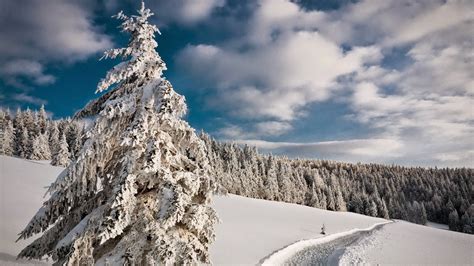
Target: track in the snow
(328, 253)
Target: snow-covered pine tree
(41, 120)
(8, 133)
(3, 119)
(139, 190)
(23, 142)
(74, 139)
(53, 136)
(40, 148)
(60, 155)
(29, 123)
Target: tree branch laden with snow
(140, 188)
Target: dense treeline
(410, 193)
(32, 135)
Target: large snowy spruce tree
(139, 190)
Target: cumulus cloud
(430, 103)
(36, 32)
(419, 102)
(392, 23)
(25, 98)
(51, 29)
(356, 150)
(284, 66)
(257, 129)
(185, 12)
(12, 70)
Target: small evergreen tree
(41, 120)
(384, 211)
(7, 146)
(61, 155)
(53, 136)
(73, 139)
(24, 148)
(40, 148)
(29, 123)
(454, 220)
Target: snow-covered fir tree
(60, 155)
(40, 148)
(53, 136)
(139, 190)
(23, 143)
(29, 122)
(7, 146)
(74, 139)
(41, 120)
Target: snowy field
(22, 186)
(251, 230)
(405, 243)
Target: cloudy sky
(369, 81)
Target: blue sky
(369, 81)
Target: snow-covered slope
(251, 229)
(406, 243)
(22, 187)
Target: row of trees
(410, 193)
(32, 135)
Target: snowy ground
(253, 230)
(22, 186)
(406, 243)
(326, 250)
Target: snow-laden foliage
(139, 190)
(61, 155)
(40, 148)
(29, 127)
(6, 138)
(414, 194)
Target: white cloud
(257, 129)
(34, 33)
(25, 98)
(185, 12)
(290, 58)
(14, 69)
(278, 79)
(392, 23)
(356, 150)
(431, 20)
(49, 29)
(272, 128)
(430, 106)
(280, 66)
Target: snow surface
(282, 256)
(251, 230)
(407, 243)
(437, 225)
(22, 187)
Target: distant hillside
(410, 193)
